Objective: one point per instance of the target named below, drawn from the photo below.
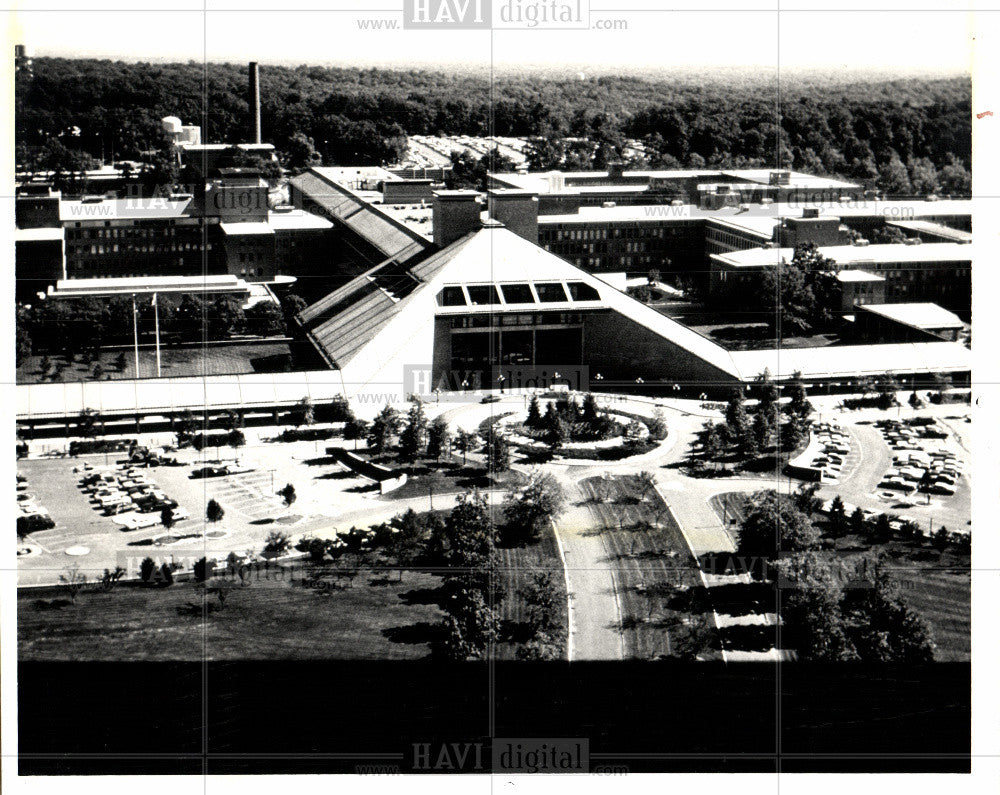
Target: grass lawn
(519, 563)
(943, 597)
(448, 477)
(375, 618)
(937, 585)
(653, 571)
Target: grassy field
(447, 477)
(519, 563)
(943, 597)
(937, 585)
(653, 571)
(376, 617)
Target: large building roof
(858, 276)
(761, 226)
(857, 256)
(919, 316)
(932, 228)
(845, 362)
(345, 207)
(368, 324)
(569, 182)
(134, 285)
(341, 323)
(345, 320)
(246, 228)
(295, 219)
(847, 208)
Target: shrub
(88, 446)
(146, 569)
(203, 569)
(202, 440)
(306, 434)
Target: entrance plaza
(332, 498)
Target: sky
(806, 34)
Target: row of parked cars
(127, 493)
(835, 444)
(914, 464)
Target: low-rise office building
(486, 308)
(228, 229)
(561, 192)
(918, 322)
(929, 272)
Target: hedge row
(307, 434)
(88, 446)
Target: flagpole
(135, 335)
(156, 316)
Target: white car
(137, 521)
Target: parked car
(209, 472)
(136, 521)
(114, 509)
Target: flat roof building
(893, 322)
(567, 191)
(935, 272)
(493, 308)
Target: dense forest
(906, 134)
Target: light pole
(156, 318)
(135, 335)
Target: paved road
(595, 612)
(874, 459)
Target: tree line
(81, 326)
(911, 134)
(826, 615)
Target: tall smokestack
(253, 100)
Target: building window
(580, 291)
(517, 294)
(550, 292)
(452, 296)
(483, 294)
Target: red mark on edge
(984, 113)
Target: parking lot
(880, 452)
(98, 537)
